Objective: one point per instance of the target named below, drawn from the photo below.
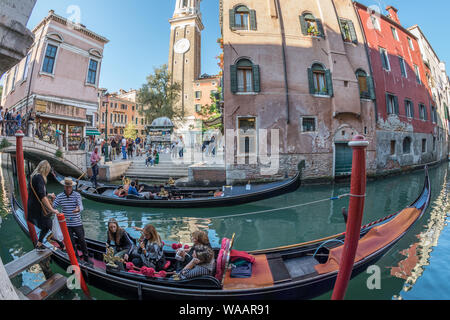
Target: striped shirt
(68, 204)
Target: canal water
(415, 268)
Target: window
(424, 145)
(423, 112)
(348, 30)
(49, 59)
(92, 73)
(416, 69)
(391, 104)
(320, 82)
(25, 68)
(311, 26)
(394, 33)
(375, 22)
(433, 115)
(409, 109)
(308, 124)
(198, 94)
(402, 67)
(5, 89)
(407, 145)
(385, 59)
(242, 18)
(365, 83)
(411, 45)
(434, 143)
(13, 83)
(198, 107)
(245, 77)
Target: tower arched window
(245, 77)
(242, 18)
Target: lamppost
(106, 129)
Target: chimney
(393, 14)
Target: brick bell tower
(185, 50)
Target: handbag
(56, 229)
(44, 210)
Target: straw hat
(68, 182)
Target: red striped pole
(71, 252)
(20, 164)
(355, 214)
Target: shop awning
(92, 132)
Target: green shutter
(341, 26)
(396, 110)
(256, 78)
(371, 87)
(320, 28)
(303, 25)
(252, 19)
(312, 90)
(446, 112)
(329, 81)
(232, 20)
(233, 78)
(352, 31)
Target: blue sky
(139, 33)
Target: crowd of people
(147, 251)
(11, 122)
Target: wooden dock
(53, 284)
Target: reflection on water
(261, 225)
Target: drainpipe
(283, 40)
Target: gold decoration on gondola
(171, 182)
(110, 259)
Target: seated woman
(202, 263)
(198, 238)
(150, 251)
(120, 192)
(123, 244)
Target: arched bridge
(71, 163)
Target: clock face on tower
(182, 46)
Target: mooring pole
(71, 253)
(20, 166)
(355, 214)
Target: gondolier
(71, 205)
(95, 158)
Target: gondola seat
(134, 197)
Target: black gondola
(188, 197)
(298, 271)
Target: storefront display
(75, 135)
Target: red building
(406, 114)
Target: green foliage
(212, 111)
(5, 144)
(59, 153)
(159, 97)
(1, 91)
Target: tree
(159, 97)
(130, 131)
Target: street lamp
(106, 129)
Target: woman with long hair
(39, 206)
(198, 237)
(123, 243)
(150, 251)
(201, 264)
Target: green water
(415, 268)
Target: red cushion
(219, 266)
(234, 255)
